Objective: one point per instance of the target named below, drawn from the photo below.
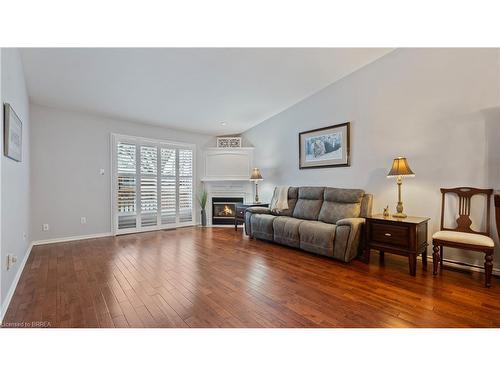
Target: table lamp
(256, 177)
(399, 169)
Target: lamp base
(399, 208)
(399, 215)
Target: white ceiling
(193, 89)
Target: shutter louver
(185, 185)
(126, 171)
(168, 186)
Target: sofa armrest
(258, 210)
(248, 214)
(353, 222)
(348, 235)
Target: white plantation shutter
(154, 185)
(168, 185)
(149, 190)
(185, 185)
(126, 188)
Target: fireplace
(223, 210)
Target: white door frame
(114, 139)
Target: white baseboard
(13, 286)
(73, 238)
(464, 266)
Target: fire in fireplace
(223, 210)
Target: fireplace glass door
(224, 210)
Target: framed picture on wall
(13, 134)
(325, 147)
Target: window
(152, 184)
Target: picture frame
(13, 134)
(326, 147)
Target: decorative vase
(203, 218)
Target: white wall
(15, 182)
(437, 107)
(68, 150)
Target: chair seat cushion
(465, 238)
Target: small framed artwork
(325, 147)
(13, 134)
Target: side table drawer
(240, 212)
(390, 234)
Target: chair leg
(441, 256)
(488, 268)
(435, 259)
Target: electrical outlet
(45, 227)
(83, 220)
(11, 259)
(25, 236)
(101, 171)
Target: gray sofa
(321, 220)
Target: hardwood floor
(216, 277)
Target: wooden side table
(239, 217)
(407, 237)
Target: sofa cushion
(311, 192)
(317, 237)
(286, 230)
(340, 204)
(262, 226)
(309, 203)
(343, 195)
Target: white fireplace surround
(227, 174)
(228, 189)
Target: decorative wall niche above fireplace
(227, 164)
(223, 210)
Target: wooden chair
(462, 236)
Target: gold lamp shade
(256, 176)
(400, 167)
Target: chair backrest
(497, 212)
(464, 197)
